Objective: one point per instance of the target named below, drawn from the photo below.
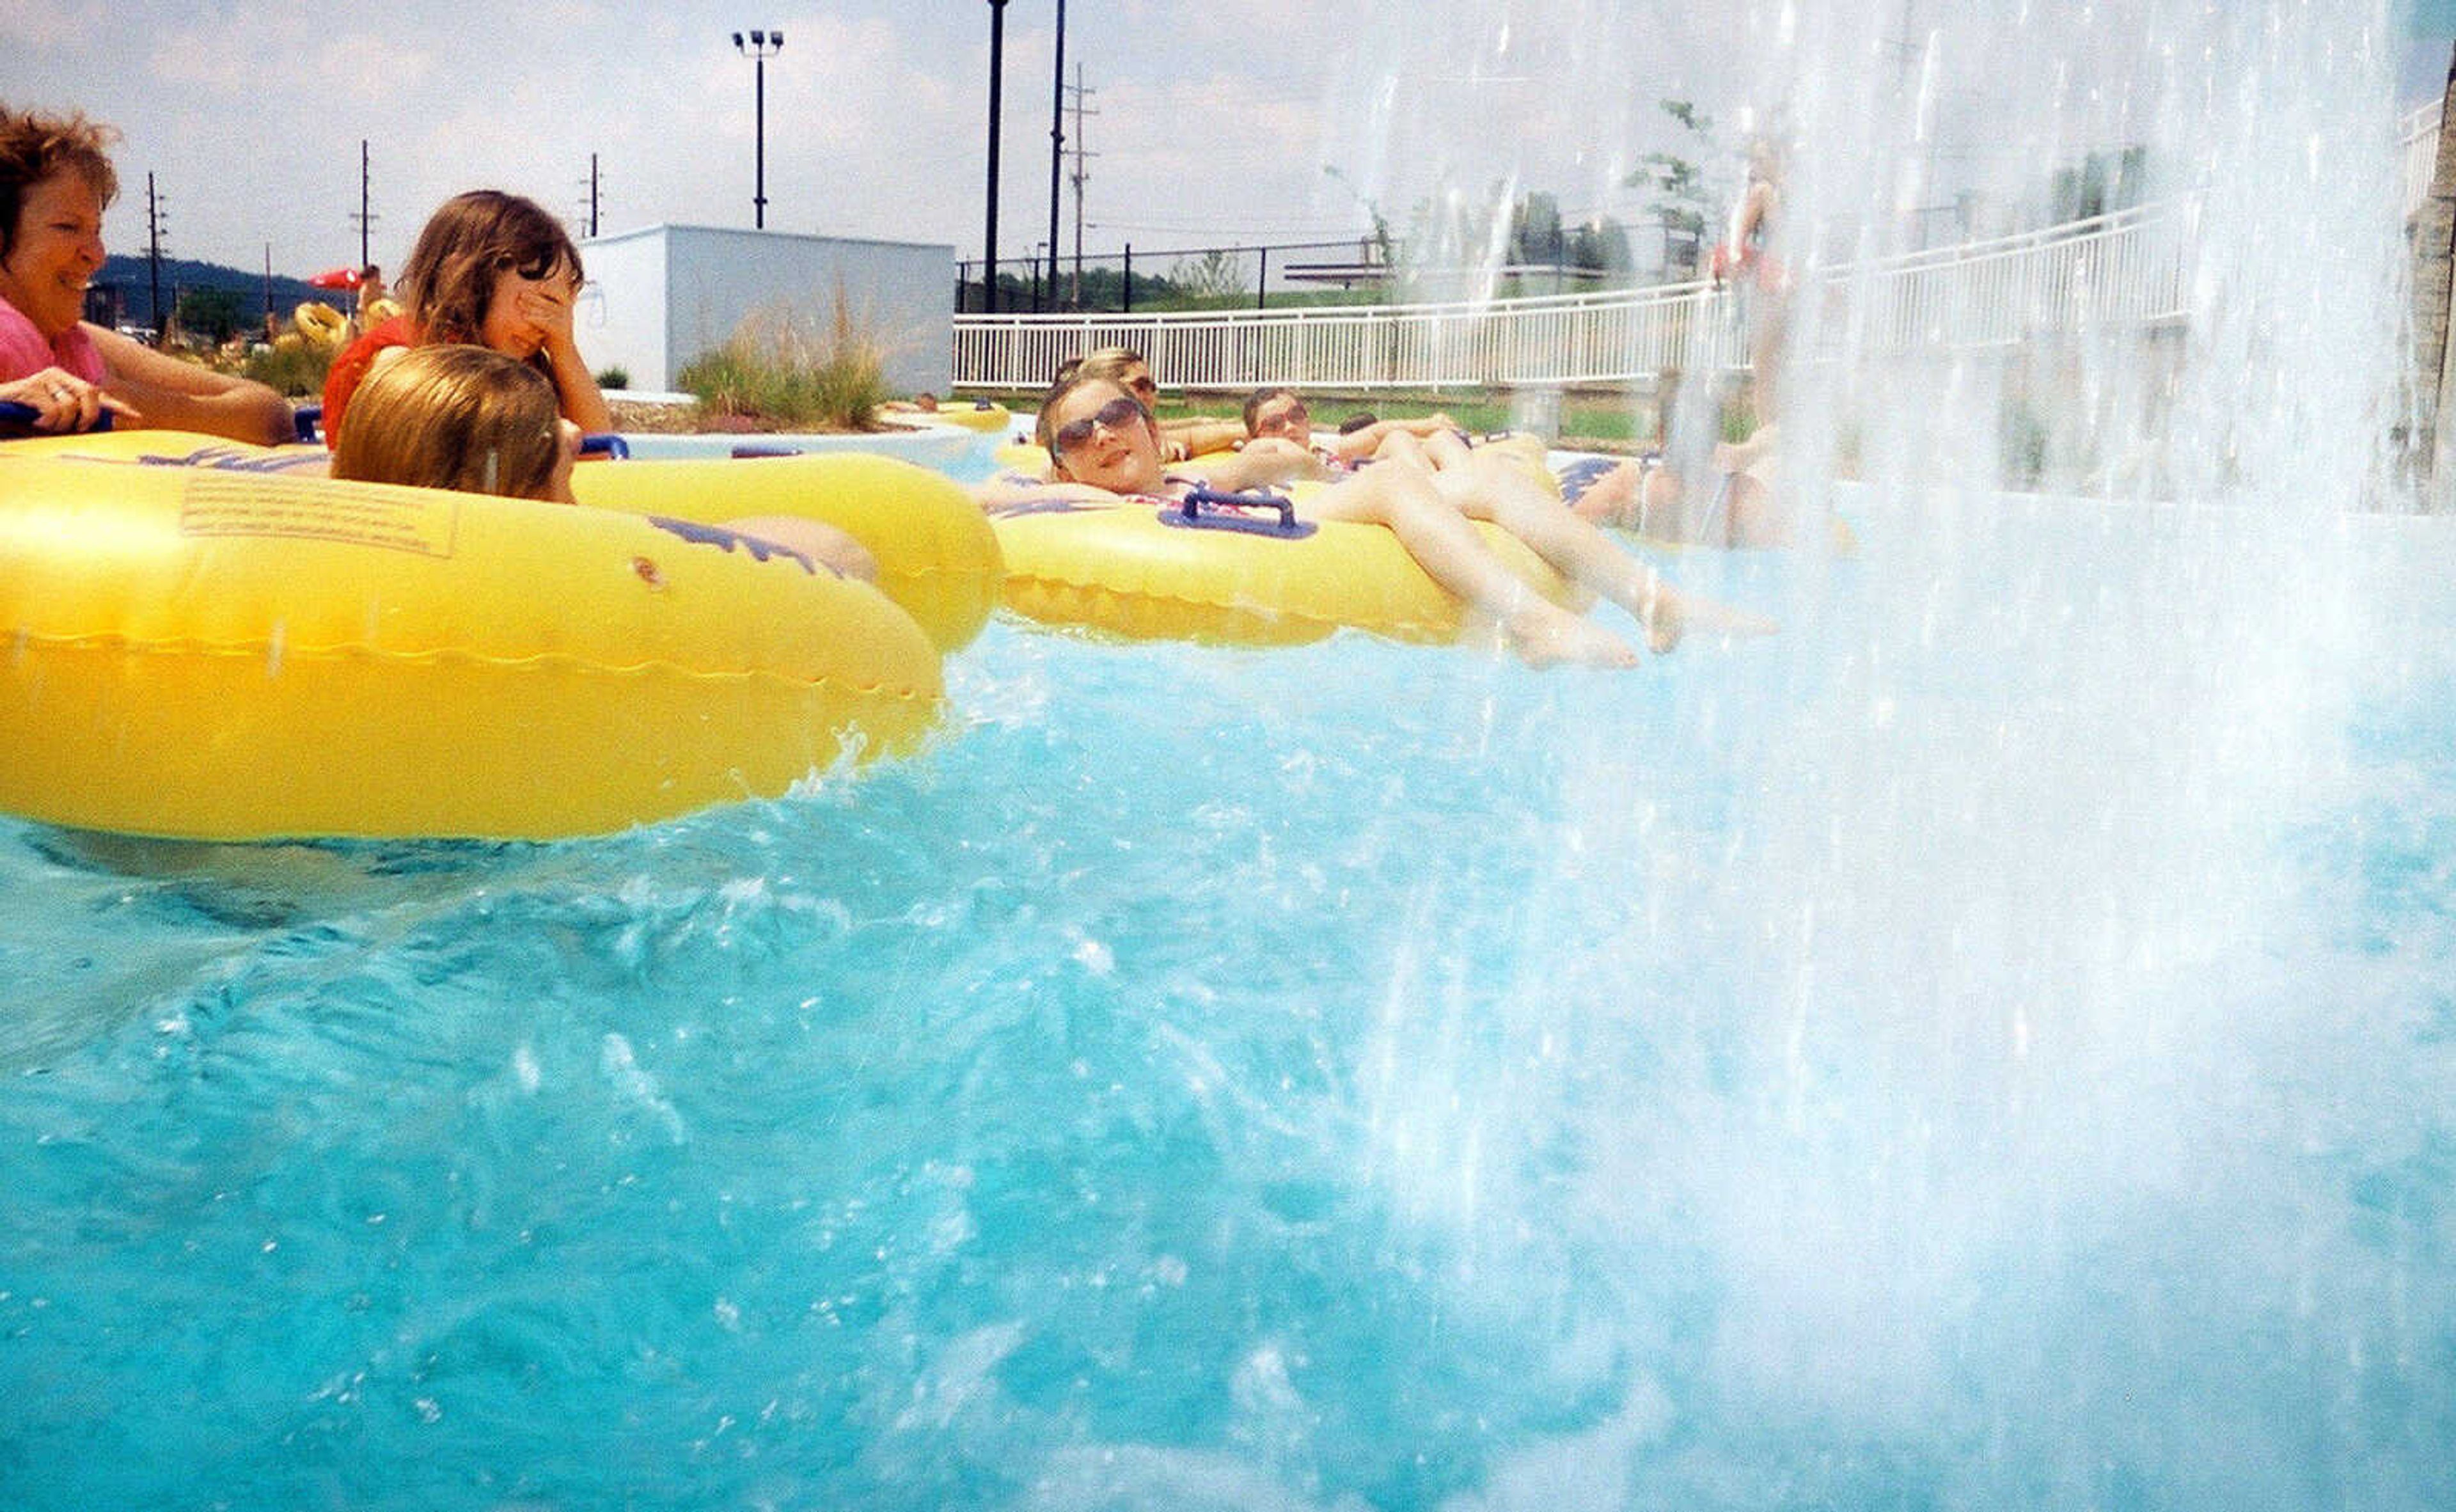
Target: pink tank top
(25, 350)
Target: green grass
(778, 370)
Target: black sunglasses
(1116, 415)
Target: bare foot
(1543, 635)
(1708, 617)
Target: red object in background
(336, 278)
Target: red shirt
(350, 369)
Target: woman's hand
(63, 402)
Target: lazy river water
(1974, 1049)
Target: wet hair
(470, 241)
(35, 145)
(1044, 429)
(1362, 419)
(459, 417)
(1261, 397)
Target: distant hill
(132, 281)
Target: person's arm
(1748, 216)
(178, 395)
(1197, 435)
(1367, 442)
(1265, 460)
(574, 387)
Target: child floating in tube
(471, 418)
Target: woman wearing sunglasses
(1104, 446)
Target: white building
(661, 296)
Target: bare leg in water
(1497, 489)
(1405, 498)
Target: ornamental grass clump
(778, 371)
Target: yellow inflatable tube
(937, 558)
(320, 323)
(210, 654)
(1125, 570)
(972, 414)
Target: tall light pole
(762, 46)
(1056, 148)
(988, 236)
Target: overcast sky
(1216, 120)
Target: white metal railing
(1559, 338)
(2421, 153)
(2119, 270)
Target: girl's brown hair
(466, 245)
(35, 145)
(457, 416)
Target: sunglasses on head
(1116, 415)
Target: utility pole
(1079, 178)
(1056, 147)
(365, 217)
(154, 255)
(591, 217)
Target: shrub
(614, 377)
(776, 369)
(290, 366)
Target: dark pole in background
(1056, 148)
(366, 216)
(153, 258)
(762, 46)
(989, 235)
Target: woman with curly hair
(55, 181)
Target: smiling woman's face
(1116, 451)
(56, 251)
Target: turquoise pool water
(1990, 1045)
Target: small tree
(1682, 202)
(1535, 236)
(210, 315)
(1213, 275)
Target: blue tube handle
(18, 420)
